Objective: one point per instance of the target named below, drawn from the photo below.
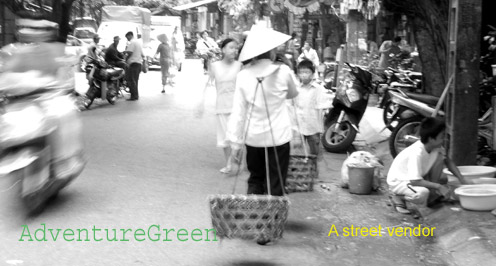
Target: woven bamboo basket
(251, 217)
(302, 173)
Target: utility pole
(463, 65)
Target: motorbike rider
(113, 56)
(94, 50)
(206, 48)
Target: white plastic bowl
(477, 197)
(477, 173)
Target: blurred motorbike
(40, 141)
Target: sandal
(225, 170)
(399, 207)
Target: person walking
(224, 73)
(178, 47)
(260, 112)
(206, 48)
(135, 57)
(164, 51)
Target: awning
(194, 4)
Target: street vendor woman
(260, 112)
(416, 174)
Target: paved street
(152, 162)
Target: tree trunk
(61, 12)
(81, 8)
(432, 55)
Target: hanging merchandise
(276, 6)
(369, 8)
(298, 7)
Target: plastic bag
(362, 159)
(144, 66)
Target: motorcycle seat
(114, 72)
(427, 99)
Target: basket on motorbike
(259, 217)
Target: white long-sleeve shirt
(311, 55)
(279, 84)
(203, 46)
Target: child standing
(310, 103)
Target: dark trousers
(134, 71)
(120, 64)
(205, 58)
(255, 160)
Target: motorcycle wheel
(404, 135)
(387, 114)
(338, 138)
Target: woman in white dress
(224, 73)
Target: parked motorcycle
(405, 120)
(411, 110)
(349, 104)
(407, 81)
(102, 78)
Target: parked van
(118, 20)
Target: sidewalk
(461, 237)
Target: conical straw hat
(261, 40)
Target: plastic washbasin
(477, 173)
(477, 197)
